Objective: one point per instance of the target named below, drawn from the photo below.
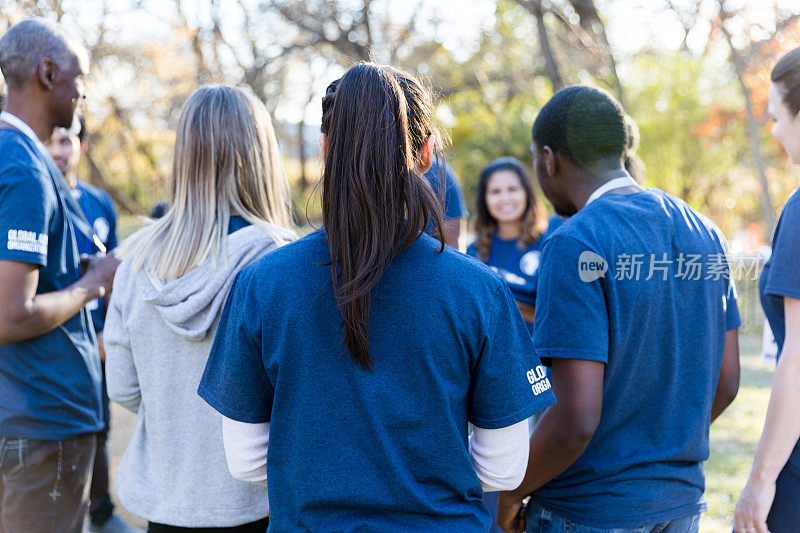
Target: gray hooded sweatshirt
(157, 339)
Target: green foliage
(688, 150)
(693, 141)
(495, 96)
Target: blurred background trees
(694, 74)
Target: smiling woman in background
(510, 225)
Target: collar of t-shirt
(80, 222)
(617, 179)
(23, 128)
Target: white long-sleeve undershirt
(499, 456)
(246, 448)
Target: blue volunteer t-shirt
(235, 223)
(98, 207)
(780, 278)
(49, 385)
(519, 268)
(641, 283)
(386, 449)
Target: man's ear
(84, 148)
(47, 74)
(551, 161)
(426, 155)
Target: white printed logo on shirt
(537, 377)
(529, 263)
(102, 228)
(27, 241)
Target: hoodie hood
(191, 305)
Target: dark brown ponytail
(374, 202)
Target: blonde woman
(229, 206)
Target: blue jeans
(541, 520)
(784, 516)
(490, 500)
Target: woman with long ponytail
(352, 379)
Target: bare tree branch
(551, 66)
(752, 124)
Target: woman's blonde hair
(226, 160)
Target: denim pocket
(14, 453)
(540, 520)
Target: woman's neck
(509, 230)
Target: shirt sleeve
(508, 383)
(784, 276)
(732, 318)
(24, 215)
(571, 315)
(500, 456)
(122, 380)
(235, 382)
(246, 449)
(448, 189)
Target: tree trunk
(301, 153)
(752, 127)
(535, 8)
(591, 22)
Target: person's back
(158, 337)
(229, 207)
(637, 316)
(666, 289)
(353, 383)
(387, 446)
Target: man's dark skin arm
(25, 315)
(562, 434)
(728, 385)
